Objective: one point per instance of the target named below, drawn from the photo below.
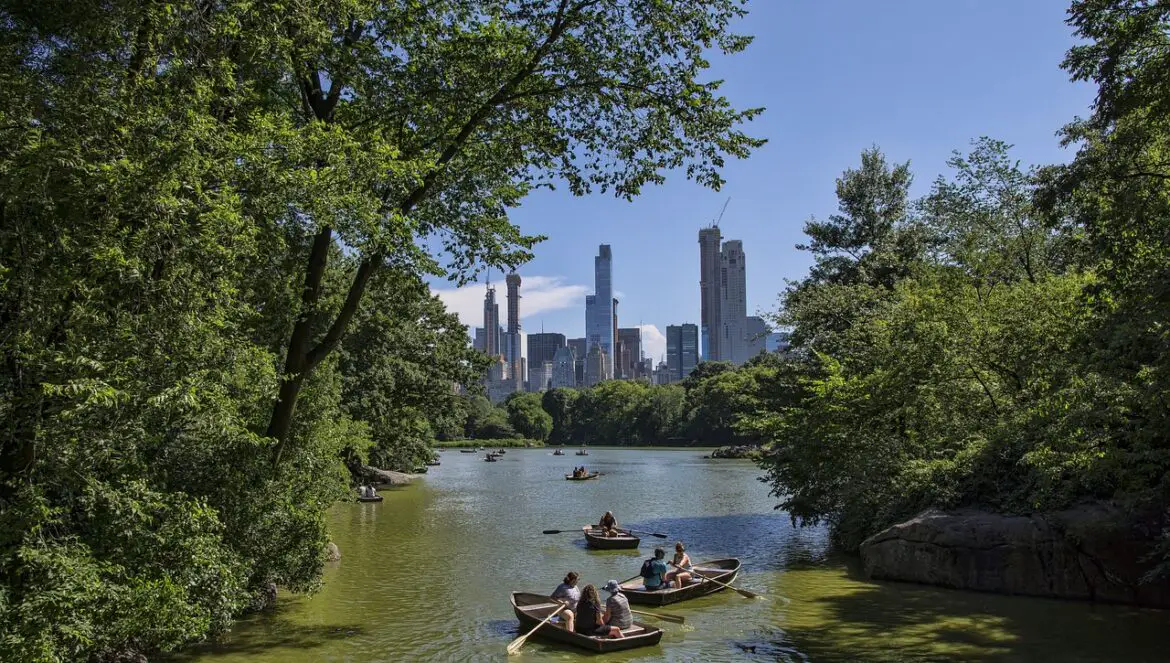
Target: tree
(559, 404)
(463, 111)
(527, 416)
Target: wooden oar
(519, 642)
(568, 531)
(657, 534)
(677, 619)
(742, 592)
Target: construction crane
(720, 217)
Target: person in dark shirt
(608, 524)
(590, 618)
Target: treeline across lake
(717, 405)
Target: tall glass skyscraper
(599, 319)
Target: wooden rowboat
(582, 453)
(530, 609)
(467, 451)
(587, 477)
(723, 570)
(598, 541)
(376, 498)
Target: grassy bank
(490, 444)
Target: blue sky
(918, 78)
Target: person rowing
(682, 564)
(608, 525)
(568, 593)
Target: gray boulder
(1094, 552)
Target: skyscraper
(733, 302)
(596, 366)
(629, 361)
(491, 323)
(710, 283)
(599, 318)
(512, 336)
(564, 370)
(580, 347)
(543, 347)
(682, 350)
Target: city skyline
(810, 144)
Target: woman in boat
(617, 609)
(568, 593)
(608, 524)
(591, 616)
(682, 564)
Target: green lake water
(425, 576)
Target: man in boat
(654, 571)
(608, 525)
(568, 593)
(617, 608)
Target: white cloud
(653, 343)
(538, 294)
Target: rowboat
(559, 452)
(490, 458)
(376, 498)
(582, 453)
(587, 477)
(723, 570)
(467, 451)
(500, 452)
(433, 463)
(598, 541)
(531, 609)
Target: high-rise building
(629, 361)
(662, 374)
(543, 347)
(540, 376)
(599, 311)
(733, 302)
(596, 367)
(580, 347)
(710, 284)
(511, 349)
(682, 350)
(564, 368)
(491, 324)
(755, 337)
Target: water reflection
(425, 575)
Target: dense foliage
(214, 217)
(1001, 342)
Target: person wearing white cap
(617, 609)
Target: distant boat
(433, 463)
(490, 458)
(559, 452)
(467, 451)
(582, 452)
(376, 498)
(586, 477)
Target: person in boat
(654, 571)
(591, 616)
(681, 575)
(608, 525)
(617, 609)
(568, 593)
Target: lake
(425, 575)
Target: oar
(519, 642)
(677, 619)
(657, 534)
(742, 592)
(567, 531)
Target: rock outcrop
(741, 451)
(1092, 552)
(380, 478)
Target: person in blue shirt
(654, 571)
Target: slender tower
(516, 369)
(710, 290)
